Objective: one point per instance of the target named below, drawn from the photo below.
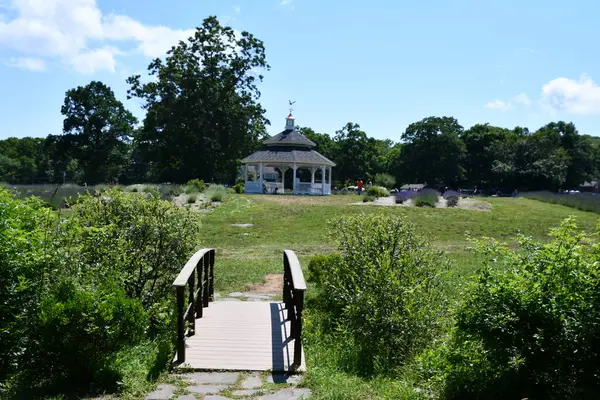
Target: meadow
(246, 254)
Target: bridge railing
(294, 287)
(198, 275)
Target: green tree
(434, 152)
(203, 113)
(97, 132)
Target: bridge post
(297, 328)
(191, 313)
(211, 290)
(199, 301)
(204, 294)
(180, 324)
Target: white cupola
(289, 122)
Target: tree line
(203, 115)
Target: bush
(377, 191)
(385, 180)
(79, 331)
(195, 186)
(383, 292)
(319, 264)
(427, 198)
(529, 327)
(191, 198)
(239, 188)
(367, 198)
(451, 198)
(216, 193)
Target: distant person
(369, 184)
(360, 186)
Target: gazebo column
(294, 181)
(260, 176)
(283, 171)
(323, 179)
(245, 174)
(312, 174)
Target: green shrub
(529, 327)
(452, 201)
(368, 198)
(383, 293)
(239, 188)
(427, 198)
(79, 331)
(149, 189)
(385, 180)
(195, 186)
(216, 193)
(318, 264)
(377, 191)
(191, 198)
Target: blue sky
(381, 64)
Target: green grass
(245, 255)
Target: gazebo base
(302, 188)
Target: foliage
(239, 188)
(581, 201)
(528, 327)
(385, 180)
(377, 191)
(451, 197)
(383, 292)
(100, 279)
(202, 109)
(195, 186)
(192, 198)
(216, 193)
(427, 198)
(367, 198)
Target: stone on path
(284, 378)
(206, 389)
(162, 392)
(246, 392)
(252, 382)
(288, 394)
(186, 397)
(212, 378)
(236, 294)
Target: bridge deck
(241, 335)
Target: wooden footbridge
(241, 335)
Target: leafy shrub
(377, 191)
(427, 198)
(174, 190)
(149, 188)
(385, 180)
(79, 330)
(451, 197)
(529, 327)
(383, 292)
(318, 264)
(216, 193)
(367, 198)
(191, 198)
(195, 186)
(239, 188)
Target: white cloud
(574, 97)
(31, 64)
(522, 99)
(509, 104)
(237, 9)
(499, 105)
(77, 33)
(285, 2)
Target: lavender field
(581, 201)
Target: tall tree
(203, 113)
(434, 152)
(97, 132)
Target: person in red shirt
(360, 186)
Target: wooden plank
(297, 276)
(242, 336)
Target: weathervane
(291, 104)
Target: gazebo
(265, 170)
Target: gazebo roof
(288, 155)
(289, 137)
